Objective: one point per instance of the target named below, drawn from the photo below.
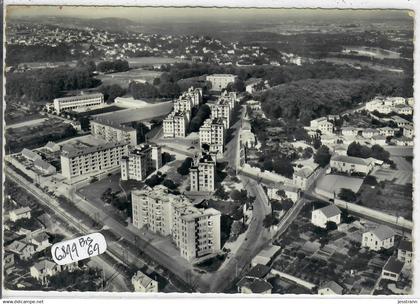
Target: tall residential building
(184, 105)
(221, 110)
(112, 131)
(88, 160)
(202, 173)
(220, 81)
(140, 162)
(175, 125)
(196, 232)
(212, 133)
(75, 102)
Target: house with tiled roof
(40, 240)
(143, 283)
(22, 249)
(330, 288)
(382, 237)
(249, 285)
(44, 269)
(351, 164)
(30, 155)
(20, 213)
(321, 216)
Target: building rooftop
(405, 245)
(79, 97)
(112, 123)
(258, 271)
(42, 164)
(256, 285)
(383, 232)
(44, 264)
(351, 160)
(337, 289)
(30, 154)
(141, 278)
(329, 211)
(21, 210)
(393, 265)
(73, 151)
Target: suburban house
(20, 213)
(304, 177)
(23, 250)
(349, 131)
(143, 283)
(44, 269)
(330, 288)
(381, 237)
(323, 125)
(351, 164)
(249, 285)
(369, 133)
(387, 131)
(392, 269)
(408, 131)
(281, 191)
(40, 240)
(9, 262)
(401, 122)
(52, 146)
(321, 216)
(405, 252)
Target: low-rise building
(175, 125)
(387, 131)
(90, 160)
(143, 283)
(381, 237)
(140, 162)
(248, 285)
(220, 81)
(202, 174)
(401, 122)
(44, 167)
(369, 133)
(20, 213)
(43, 270)
(112, 131)
(265, 256)
(212, 133)
(323, 125)
(76, 102)
(31, 155)
(392, 269)
(405, 252)
(408, 131)
(351, 164)
(40, 240)
(330, 288)
(320, 217)
(52, 147)
(349, 131)
(21, 249)
(304, 177)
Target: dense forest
(47, 84)
(36, 53)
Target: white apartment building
(202, 174)
(220, 81)
(212, 133)
(175, 125)
(143, 283)
(140, 162)
(221, 110)
(392, 269)
(75, 102)
(380, 237)
(196, 232)
(184, 105)
(112, 131)
(386, 105)
(386, 131)
(408, 131)
(321, 216)
(323, 125)
(90, 160)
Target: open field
(136, 62)
(392, 199)
(124, 78)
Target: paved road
(232, 147)
(257, 237)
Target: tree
(371, 180)
(169, 184)
(286, 204)
(317, 143)
(347, 195)
(240, 196)
(330, 225)
(184, 169)
(269, 221)
(307, 153)
(166, 158)
(111, 91)
(322, 156)
(283, 166)
(380, 153)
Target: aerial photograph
(208, 150)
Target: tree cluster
(112, 66)
(202, 114)
(376, 151)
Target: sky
(159, 14)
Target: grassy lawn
(392, 199)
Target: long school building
(80, 101)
